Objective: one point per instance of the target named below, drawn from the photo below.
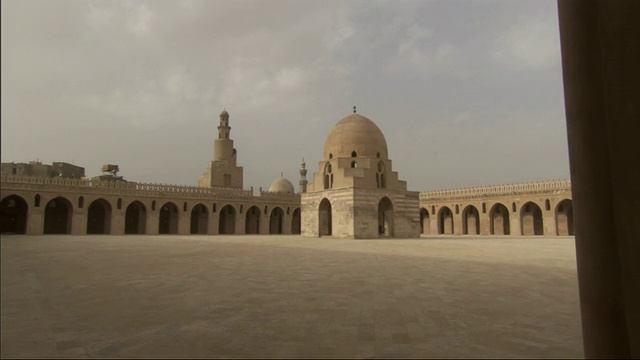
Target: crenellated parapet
(531, 188)
(279, 196)
(121, 188)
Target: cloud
(528, 45)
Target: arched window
(457, 209)
(288, 209)
(378, 154)
(354, 154)
(213, 207)
(354, 164)
(36, 201)
(153, 205)
(513, 207)
(484, 208)
(547, 205)
(433, 210)
(265, 209)
(119, 203)
(241, 207)
(184, 207)
(330, 156)
(81, 202)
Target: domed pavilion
(355, 193)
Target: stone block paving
(288, 297)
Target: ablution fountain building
(354, 194)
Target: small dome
(224, 113)
(355, 134)
(282, 185)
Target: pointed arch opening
(135, 221)
(499, 220)
(252, 221)
(564, 218)
(296, 221)
(470, 221)
(424, 221)
(531, 219)
(168, 219)
(324, 218)
(13, 215)
(57, 216)
(99, 217)
(385, 217)
(199, 219)
(445, 221)
(275, 220)
(227, 223)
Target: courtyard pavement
(288, 296)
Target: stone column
(184, 222)
(117, 222)
(241, 219)
(514, 224)
(485, 223)
(35, 221)
(600, 57)
(79, 221)
(153, 221)
(548, 223)
(287, 222)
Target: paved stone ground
(288, 296)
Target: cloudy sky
(467, 93)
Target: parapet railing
(125, 187)
(498, 190)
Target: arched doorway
(227, 224)
(564, 218)
(445, 221)
(296, 221)
(531, 219)
(275, 221)
(57, 216)
(168, 219)
(13, 215)
(324, 217)
(499, 220)
(424, 221)
(99, 217)
(199, 219)
(470, 221)
(252, 221)
(135, 221)
(385, 217)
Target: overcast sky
(467, 93)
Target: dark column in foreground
(601, 69)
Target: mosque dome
(282, 185)
(355, 133)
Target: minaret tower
(303, 177)
(223, 170)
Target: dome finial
(354, 109)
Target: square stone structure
(355, 193)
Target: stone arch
(199, 219)
(296, 221)
(499, 220)
(252, 221)
(275, 220)
(135, 220)
(470, 221)
(227, 223)
(354, 154)
(324, 218)
(385, 217)
(13, 215)
(531, 219)
(564, 218)
(99, 217)
(57, 216)
(445, 220)
(424, 221)
(168, 223)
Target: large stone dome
(355, 133)
(282, 185)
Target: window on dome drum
(354, 164)
(354, 154)
(378, 154)
(330, 156)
